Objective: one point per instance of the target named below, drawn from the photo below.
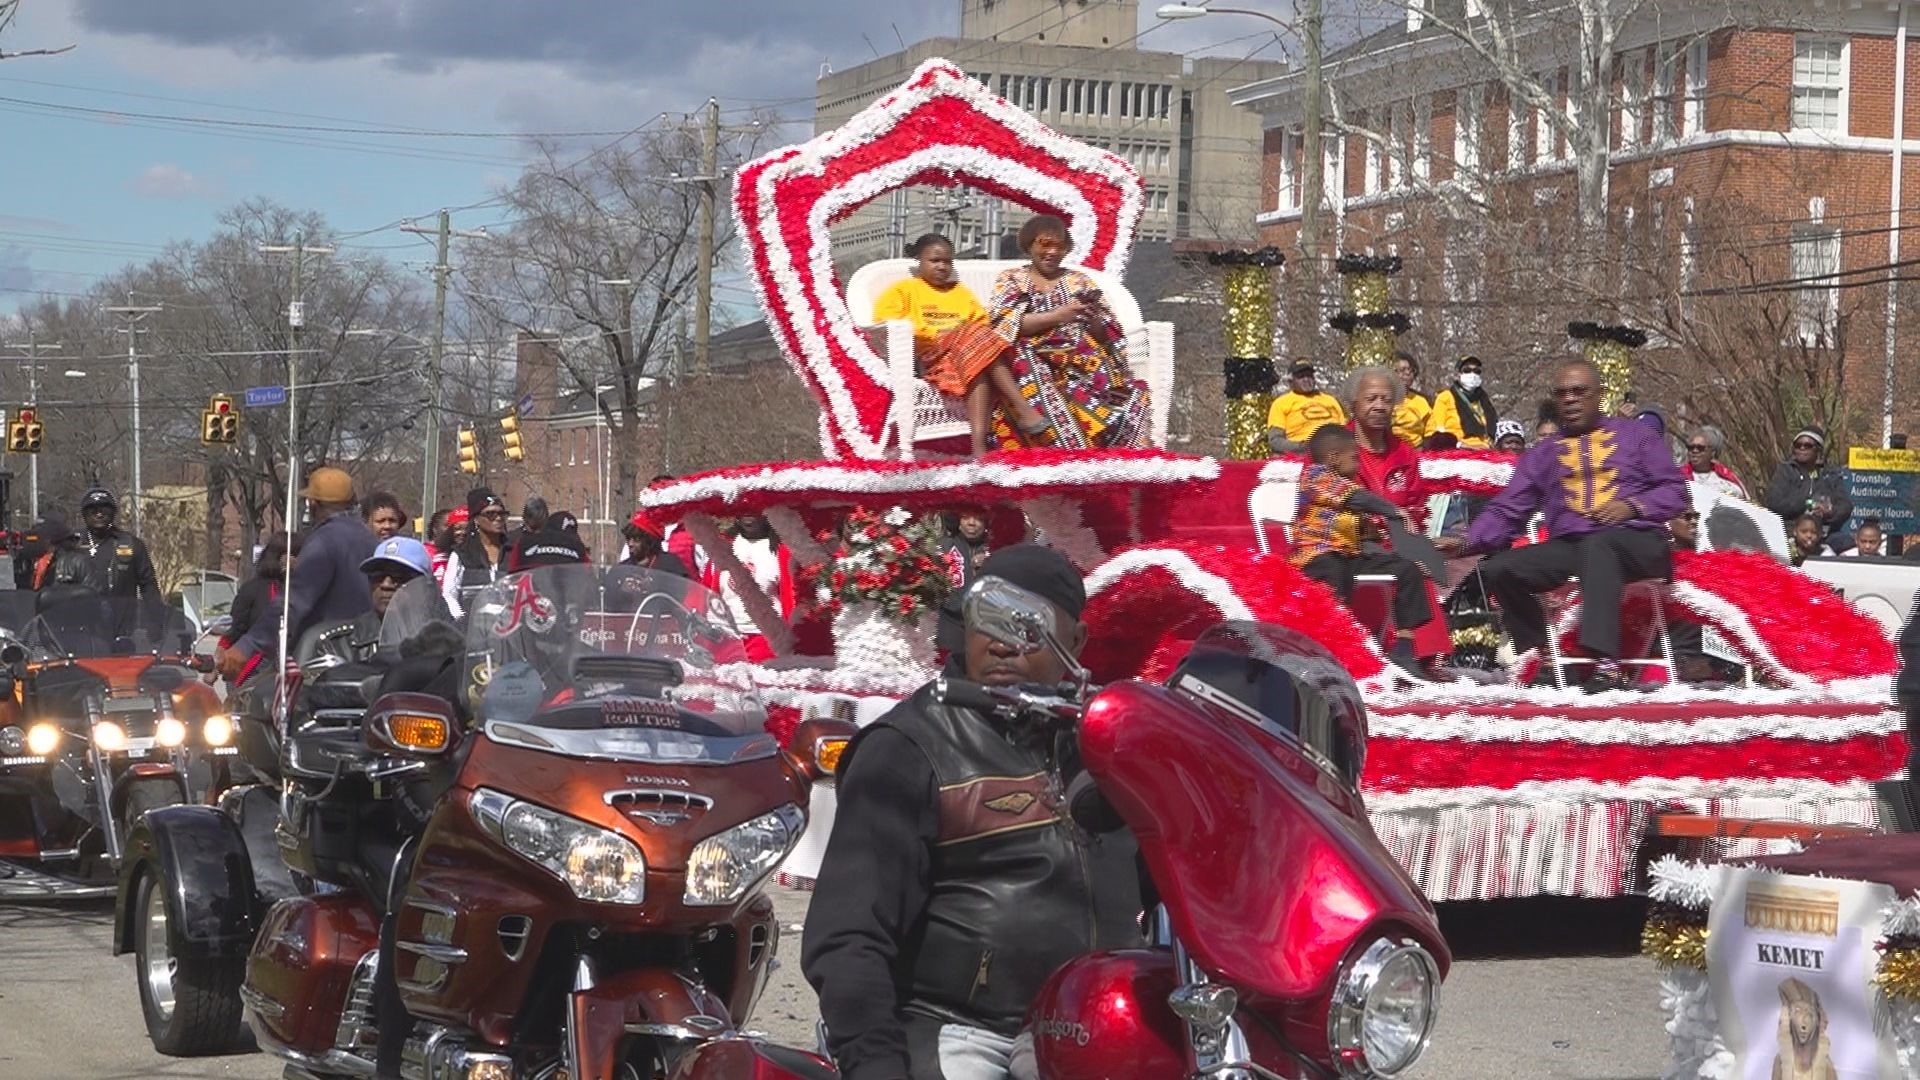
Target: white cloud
(165, 180)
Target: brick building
(1748, 158)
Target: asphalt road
(1544, 989)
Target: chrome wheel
(157, 965)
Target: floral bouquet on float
(884, 584)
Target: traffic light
(220, 423)
(24, 433)
(469, 452)
(510, 437)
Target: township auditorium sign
(1884, 484)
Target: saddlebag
(303, 964)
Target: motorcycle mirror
(818, 745)
(413, 725)
(13, 654)
(1008, 614)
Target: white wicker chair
(922, 414)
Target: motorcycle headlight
(43, 739)
(109, 736)
(596, 863)
(169, 732)
(12, 741)
(725, 867)
(1384, 1005)
(218, 730)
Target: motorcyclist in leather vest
(121, 564)
(955, 881)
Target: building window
(1569, 82)
(1516, 133)
(1106, 99)
(1045, 86)
(1815, 266)
(1693, 119)
(1545, 139)
(1333, 170)
(1166, 102)
(1397, 124)
(1820, 85)
(1370, 176)
(1126, 93)
(1633, 98)
(1422, 140)
(1006, 84)
(1663, 64)
(1289, 192)
(1466, 131)
(1165, 154)
(1689, 253)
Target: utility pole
(430, 454)
(673, 389)
(709, 176)
(135, 314)
(33, 397)
(1312, 27)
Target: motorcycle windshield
(617, 663)
(1235, 780)
(97, 626)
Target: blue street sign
(1888, 495)
(262, 397)
(524, 406)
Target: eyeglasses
(1573, 391)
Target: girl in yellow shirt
(954, 343)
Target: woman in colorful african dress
(957, 349)
(1069, 352)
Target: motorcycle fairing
(1267, 876)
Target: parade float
(1480, 790)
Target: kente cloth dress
(1072, 374)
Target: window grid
(1694, 116)
(1815, 254)
(1466, 131)
(1663, 63)
(1633, 98)
(1545, 138)
(1819, 85)
(1422, 140)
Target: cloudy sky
(167, 111)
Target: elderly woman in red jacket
(1390, 468)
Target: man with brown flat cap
(326, 585)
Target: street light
(1312, 183)
(75, 373)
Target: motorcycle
(104, 719)
(1287, 944)
(583, 893)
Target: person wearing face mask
(1464, 409)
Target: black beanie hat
(1041, 571)
(479, 499)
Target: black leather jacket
(955, 883)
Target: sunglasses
(1698, 448)
(398, 577)
(497, 515)
(1804, 445)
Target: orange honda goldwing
(572, 862)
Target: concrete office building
(1072, 65)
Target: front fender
(200, 859)
(603, 1014)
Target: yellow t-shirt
(1410, 418)
(931, 311)
(1300, 415)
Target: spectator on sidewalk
(326, 584)
(384, 514)
(1869, 540)
(1704, 466)
(1804, 484)
(1805, 541)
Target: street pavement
(1545, 989)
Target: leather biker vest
(1018, 889)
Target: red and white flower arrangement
(889, 561)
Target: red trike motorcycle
(1287, 944)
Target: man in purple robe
(1607, 487)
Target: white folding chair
(1275, 501)
(1656, 591)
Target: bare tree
(9, 11)
(602, 255)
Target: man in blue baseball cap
(395, 561)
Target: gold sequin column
(1610, 349)
(1372, 331)
(1250, 376)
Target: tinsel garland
(1610, 349)
(1675, 937)
(1247, 426)
(1371, 329)
(1249, 310)
(940, 128)
(1898, 973)
(1371, 346)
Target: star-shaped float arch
(940, 128)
